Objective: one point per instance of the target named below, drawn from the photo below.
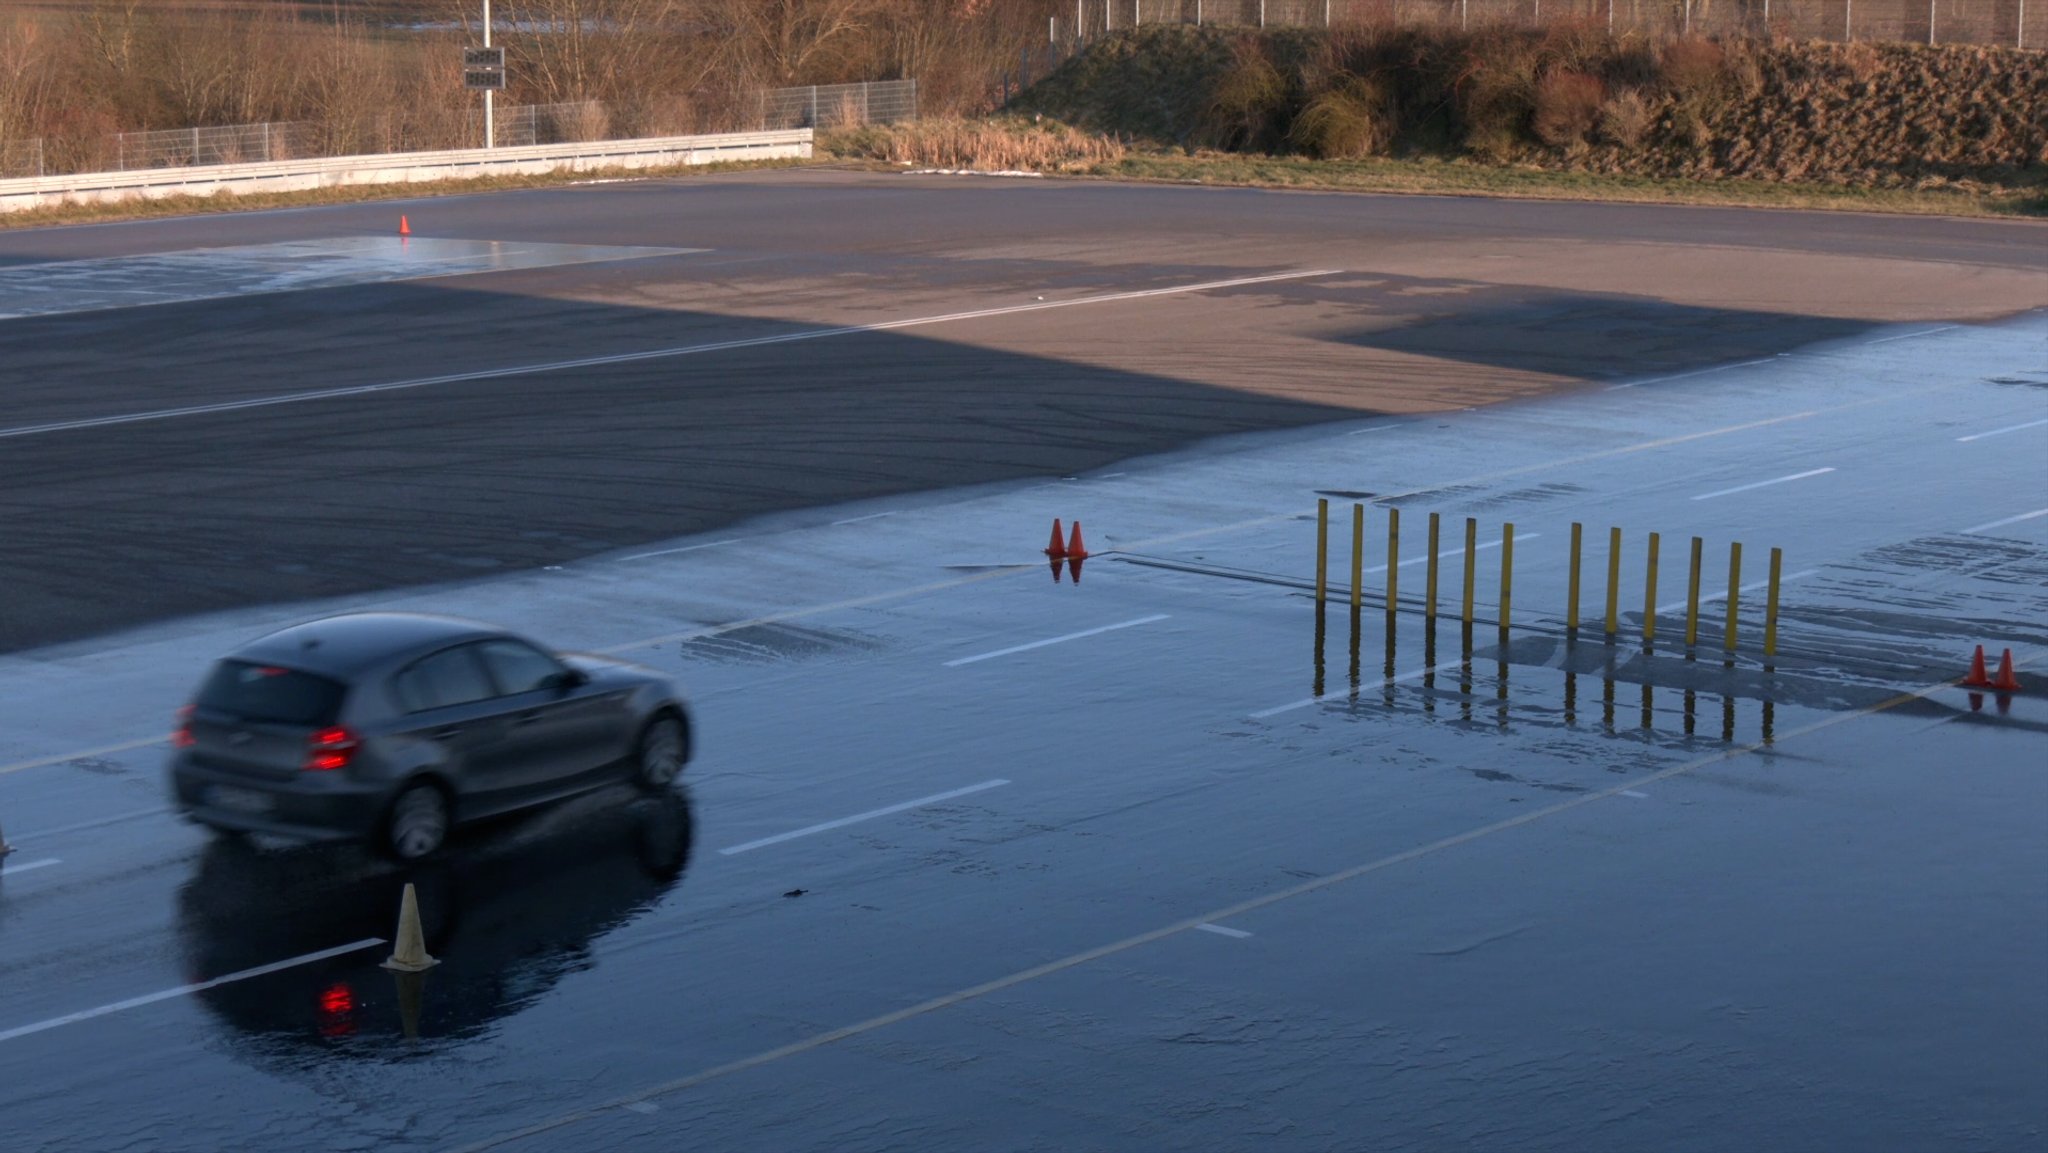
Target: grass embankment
(1566, 112)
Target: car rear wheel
(418, 823)
(660, 754)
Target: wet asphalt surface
(978, 856)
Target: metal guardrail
(393, 168)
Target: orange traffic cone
(2008, 681)
(1074, 547)
(1977, 678)
(1057, 548)
(404, 229)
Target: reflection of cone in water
(1055, 562)
(5, 848)
(1058, 547)
(2008, 681)
(1976, 702)
(411, 993)
(1977, 677)
(409, 954)
(1074, 566)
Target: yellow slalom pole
(1393, 553)
(1357, 556)
(1613, 583)
(1650, 596)
(1571, 608)
(1322, 547)
(1507, 571)
(1734, 588)
(1692, 598)
(1429, 597)
(1471, 556)
(1771, 606)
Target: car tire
(416, 826)
(658, 755)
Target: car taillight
(330, 749)
(181, 737)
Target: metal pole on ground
(1322, 548)
(1734, 590)
(1771, 607)
(1692, 597)
(1650, 597)
(1357, 557)
(1393, 555)
(490, 96)
(1613, 583)
(1571, 596)
(1471, 551)
(1507, 572)
(1429, 592)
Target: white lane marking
(1286, 708)
(1695, 372)
(858, 519)
(46, 862)
(1412, 674)
(1709, 598)
(1220, 930)
(1911, 335)
(1636, 795)
(1763, 483)
(857, 818)
(642, 1107)
(83, 754)
(1111, 475)
(101, 823)
(2000, 431)
(1448, 553)
(1375, 428)
(2008, 520)
(635, 357)
(954, 664)
(684, 548)
(186, 990)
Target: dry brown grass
(1007, 145)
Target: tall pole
(490, 110)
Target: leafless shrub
(1567, 106)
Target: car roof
(347, 645)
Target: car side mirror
(569, 679)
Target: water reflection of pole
(1691, 710)
(1465, 676)
(1571, 698)
(1429, 668)
(1317, 689)
(1648, 712)
(1770, 719)
(1607, 701)
(1728, 718)
(1500, 694)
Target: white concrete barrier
(399, 168)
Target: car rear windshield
(254, 692)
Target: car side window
(518, 667)
(449, 677)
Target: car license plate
(239, 800)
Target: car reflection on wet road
(508, 912)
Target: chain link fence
(2003, 22)
(819, 106)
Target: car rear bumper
(311, 806)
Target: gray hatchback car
(396, 727)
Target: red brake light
(181, 737)
(330, 749)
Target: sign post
(484, 68)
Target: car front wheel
(418, 823)
(660, 754)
